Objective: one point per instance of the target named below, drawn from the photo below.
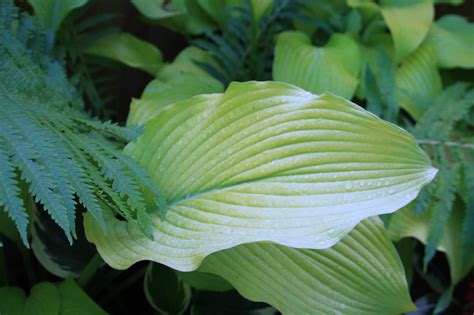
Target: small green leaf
(165, 292)
(43, 300)
(48, 299)
(128, 49)
(333, 68)
(265, 161)
(453, 39)
(51, 13)
(74, 301)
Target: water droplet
(348, 185)
(391, 191)
(343, 306)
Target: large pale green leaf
(418, 81)
(453, 39)
(51, 13)
(264, 161)
(362, 274)
(128, 49)
(158, 94)
(333, 68)
(409, 22)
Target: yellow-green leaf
(362, 274)
(453, 39)
(264, 161)
(333, 68)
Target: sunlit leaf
(158, 94)
(333, 68)
(264, 161)
(409, 22)
(418, 81)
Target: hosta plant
(282, 162)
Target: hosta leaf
(453, 39)
(264, 161)
(362, 274)
(128, 49)
(333, 68)
(418, 81)
(409, 22)
(54, 252)
(51, 13)
(187, 63)
(159, 94)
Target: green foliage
(244, 50)
(46, 298)
(51, 145)
(452, 151)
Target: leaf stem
(89, 271)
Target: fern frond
(10, 198)
(60, 153)
(450, 106)
(441, 209)
(243, 51)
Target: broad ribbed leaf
(453, 39)
(264, 161)
(362, 274)
(409, 22)
(333, 68)
(159, 94)
(128, 49)
(418, 81)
